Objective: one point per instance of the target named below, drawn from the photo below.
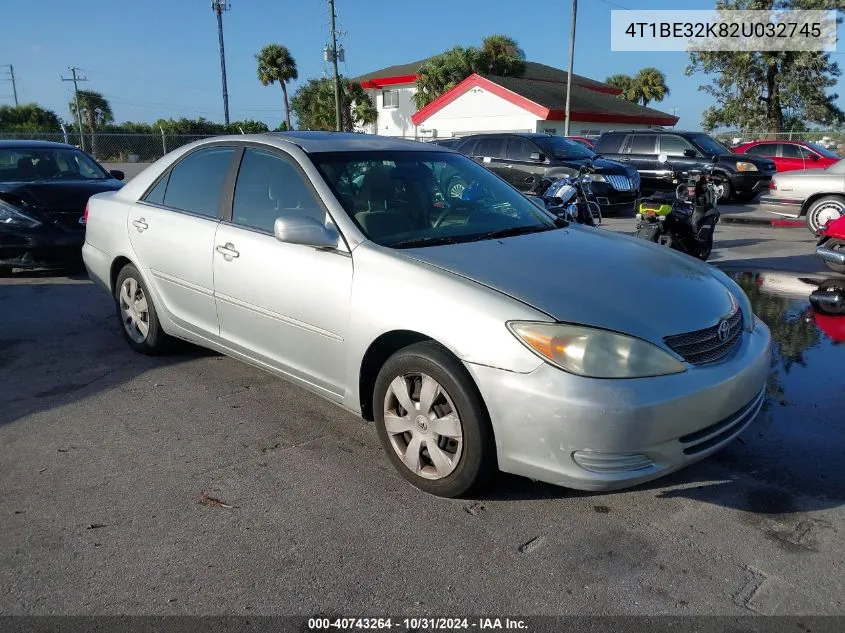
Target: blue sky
(159, 58)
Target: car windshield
(823, 151)
(413, 199)
(32, 164)
(709, 144)
(561, 147)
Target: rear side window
(493, 146)
(520, 148)
(643, 143)
(610, 144)
(766, 149)
(467, 147)
(196, 182)
(156, 194)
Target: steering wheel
(64, 174)
(459, 206)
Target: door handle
(228, 251)
(140, 224)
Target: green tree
(499, 55)
(649, 84)
(28, 117)
(276, 64)
(625, 83)
(314, 106)
(758, 90)
(94, 109)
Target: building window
(389, 98)
(550, 130)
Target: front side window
(672, 145)
(415, 199)
(788, 150)
(491, 147)
(562, 147)
(709, 144)
(520, 148)
(196, 182)
(390, 98)
(270, 187)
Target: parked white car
(818, 195)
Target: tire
(466, 453)
(140, 316)
(837, 245)
(729, 194)
(5, 271)
(822, 210)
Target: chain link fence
(116, 148)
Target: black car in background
(524, 159)
(44, 188)
(743, 176)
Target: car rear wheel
(137, 314)
(823, 211)
(839, 246)
(432, 421)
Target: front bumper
(40, 247)
(788, 207)
(613, 201)
(592, 434)
(750, 182)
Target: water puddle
(801, 436)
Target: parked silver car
(818, 195)
(476, 331)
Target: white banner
(711, 30)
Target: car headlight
(595, 178)
(743, 166)
(10, 216)
(594, 353)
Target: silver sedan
(817, 195)
(478, 332)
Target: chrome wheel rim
(134, 311)
(828, 212)
(423, 425)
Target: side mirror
(305, 230)
(117, 174)
(537, 157)
(689, 153)
(662, 158)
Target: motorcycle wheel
(836, 245)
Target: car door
(172, 233)
(521, 170)
(490, 152)
(790, 158)
(286, 305)
(641, 151)
(681, 154)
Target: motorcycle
(570, 197)
(831, 245)
(687, 220)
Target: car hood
(593, 277)
(601, 165)
(61, 195)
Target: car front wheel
(823, 211)
(137, 314)
(432, 421)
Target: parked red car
(790, 155)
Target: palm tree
(650, 85)
(359, 110)
(624, 82)
(94, 110)
(501, 55)
(275, 63)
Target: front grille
(716, 434)
(620, 183)
(704, 346)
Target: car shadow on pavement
(60, 342)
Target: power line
(75, 79)
(11, 77)
(219, 6)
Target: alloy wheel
(134, 311)
(423, 425)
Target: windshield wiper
(424, 241)
(513, 231)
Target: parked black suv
(525, 159)
(742, 175)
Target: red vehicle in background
(831, 245)
(790, 155)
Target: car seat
(26, 170)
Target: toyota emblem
(723, 330)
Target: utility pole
(219, 6)
(571, 59)
(338, 125)
(12, 78)
(75, 78)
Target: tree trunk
(287, 106)
(774, 112)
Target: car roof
(319, 141)
(651, 131)
(24, 144)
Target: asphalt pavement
(195, 484)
